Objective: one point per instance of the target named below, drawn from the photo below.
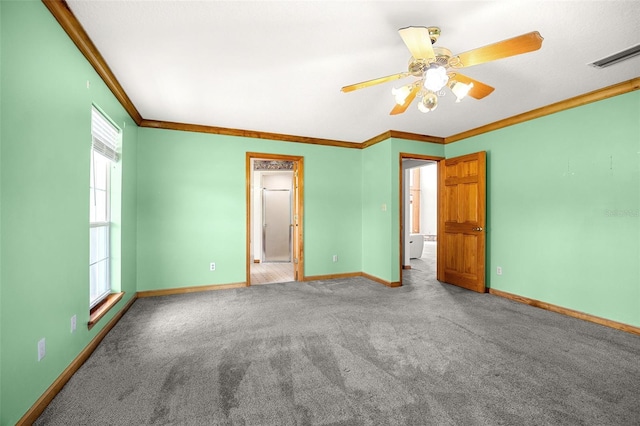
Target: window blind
(105, 137)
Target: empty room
(319, 212)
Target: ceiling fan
(436, 68)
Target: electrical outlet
(74, 320)
(335, 257)
(42, 350)
(212, 266)
(499, 270)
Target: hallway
(271, 272)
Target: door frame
(409, 156)
(297, 251)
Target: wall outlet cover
(42, 350)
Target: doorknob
(479, 228)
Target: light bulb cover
(461, 90)
(435, 77)
(401, 94)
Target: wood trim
(566, 311)
(101, 310)
(39, 406)
(376, 139)
(587, 98)
(67, 20)
(416, 137)
(299, 232)
(168, 125)
(248, 204)
(406, 266)
(192, 289)
(332, 276)
(401, 135)
(381, 281)
(351, 275)
(199, 128)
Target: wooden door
(461, 233)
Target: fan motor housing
(417, 67)
(434, 34)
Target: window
(104, 154)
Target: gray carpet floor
(352, 352)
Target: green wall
(1, 44)
(563, 207)
(376, 210)
(46, 142)
(192, 207)
(381, 204)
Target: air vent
(617, 57)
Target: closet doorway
(274, 218)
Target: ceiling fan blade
(399, 109)
(373, 82)
(479, 89)
(502, 49)
(418, 42)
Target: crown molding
(416, 137)
(67, 20)
(376, 139)
(168, 125)
(400, 135)
(587, 98)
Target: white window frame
(106, 138)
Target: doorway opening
(274, 206)
(419, 214)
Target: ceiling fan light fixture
(435, 77)
(428, 103)
(435, 67)
(461, 90)
(401, 94)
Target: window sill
(101, 310)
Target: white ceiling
(278, 66)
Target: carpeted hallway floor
(352, 352)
